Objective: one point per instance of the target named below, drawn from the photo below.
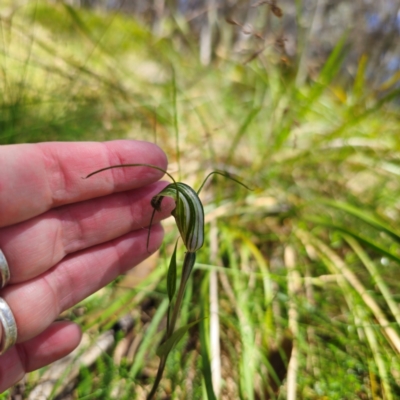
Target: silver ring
(10, 332)
(4, 270)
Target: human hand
(65, 237)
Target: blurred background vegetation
(300, 99)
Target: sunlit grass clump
(295, 290)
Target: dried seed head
(277, 11)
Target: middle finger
(34, 246)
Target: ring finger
(38, 302)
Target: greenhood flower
(188, 213)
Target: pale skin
(65, 237)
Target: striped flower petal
(188, 213)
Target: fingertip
(148, 152)
(155, 155)
(57, 341)
(149, 160)
(160, 154)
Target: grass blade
(368, 242)
(242, 130)
(205, 359)
(338, 266)
(376, 276)
(364, 216)
(165, 348)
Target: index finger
(37, 177)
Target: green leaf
(240, 133)
(205, 360)
(334, 62)
(171, 276)
(164, 349)
(364, 216)
(366, 241)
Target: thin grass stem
(294, 285)
(376, 276)
(337, 265)
(215, 338)
(176, 128)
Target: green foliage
(165, 348)
(66, 22)
(171, 276)
(306, 264)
